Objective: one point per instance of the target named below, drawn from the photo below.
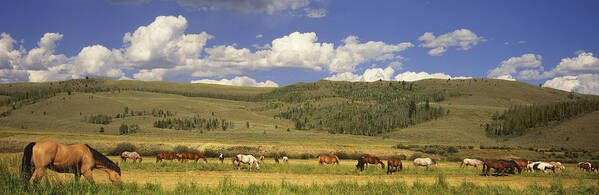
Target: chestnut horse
(165, 156)
(594, 166)
(195, 156)
(500, 166)
(522, 163)
(373, 160)
(584, 166)
(79, 159)
(393, 164)
(328, 159)
(361, 163)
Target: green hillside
(297, 117)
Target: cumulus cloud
(414, 76)
(315, 13)
(163, 44)
(462, 38)
(259, 36)
(369, 75)
(8, 55)
(585, 62)
(11, 75)
(239, 81)
(583, 83)
(510, 66)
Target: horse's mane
(99, 157)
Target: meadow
(297, 177)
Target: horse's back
(44, 152)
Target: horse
(276, 159)
(195, 156)
(221, 158)
(541, 166)
(373, 160)
(471, 162)
(285, 159)
(594, 166)
(132, 155)
(424, 162)
(247, 159)
(522, 163)
(393, 164)
(261, 158)
(558, 166)
(328, 159)
(165, 156)
(79, 159)
(585, 166)
(499, 166)
(361, 163)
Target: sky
(267, 43)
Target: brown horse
(165, 156)
(594, 166)
(79, 159)
(393, 164)
(277, 159)
(373, 160)
(522, 163)
(195, 156)
(586, 166)
(131, 155)
(500, 166)
(328, 159)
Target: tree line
(517, 119)
(195, 122)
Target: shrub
(182, 148)
(101, 129)
(415, 155)
(124, 129)
(211, 153)
(122, 147)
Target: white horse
(424, 162)
(247, 159)
(471, 162)
(541, 166)
(285, 159)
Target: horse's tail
(26, 161)
(100, 158)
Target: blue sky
(553, 43)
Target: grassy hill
(57, 110)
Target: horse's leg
(87, 173)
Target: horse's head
(114, 176)
(257, 165)
(140, 159)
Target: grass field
(303, 175)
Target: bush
(211, 153)
(122, 147)
(415, 155)
(124, 129)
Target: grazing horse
(285, 159)
(522, 163)
(247, 159)
(393, 164)
(361, 163)
(424, 162)
(471, 162)
(195, 156)
(276, 159)
(165, 156)
(221, 158)
(585, 166)
(499, 166)
(131, 155)
(328, 159)
(373, 160)
(79, 159)
(541, 166)
(558, 166)
(594, 166)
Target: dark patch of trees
(98, 119)
(195, 122)
(517, 119)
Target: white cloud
(583, 83)
(521, 42)
(462, 38)
(511, 65)
(163, 44)
(585, 62)
(413, 76)
(369, 75)
(239, 81)
(316, 13)
(8, 56)
(352, 53)
(505, 77)
(11, 75)
(259, 36)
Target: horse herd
(81, 159)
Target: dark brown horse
(79, 159)
(277, 159)
(373, 160)
(328, 159)
(165, 156)
(195, 156)
(594, 166)
(586, 166)
(393, 164)
(500, 166)
(361, 163)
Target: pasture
(307, 176)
